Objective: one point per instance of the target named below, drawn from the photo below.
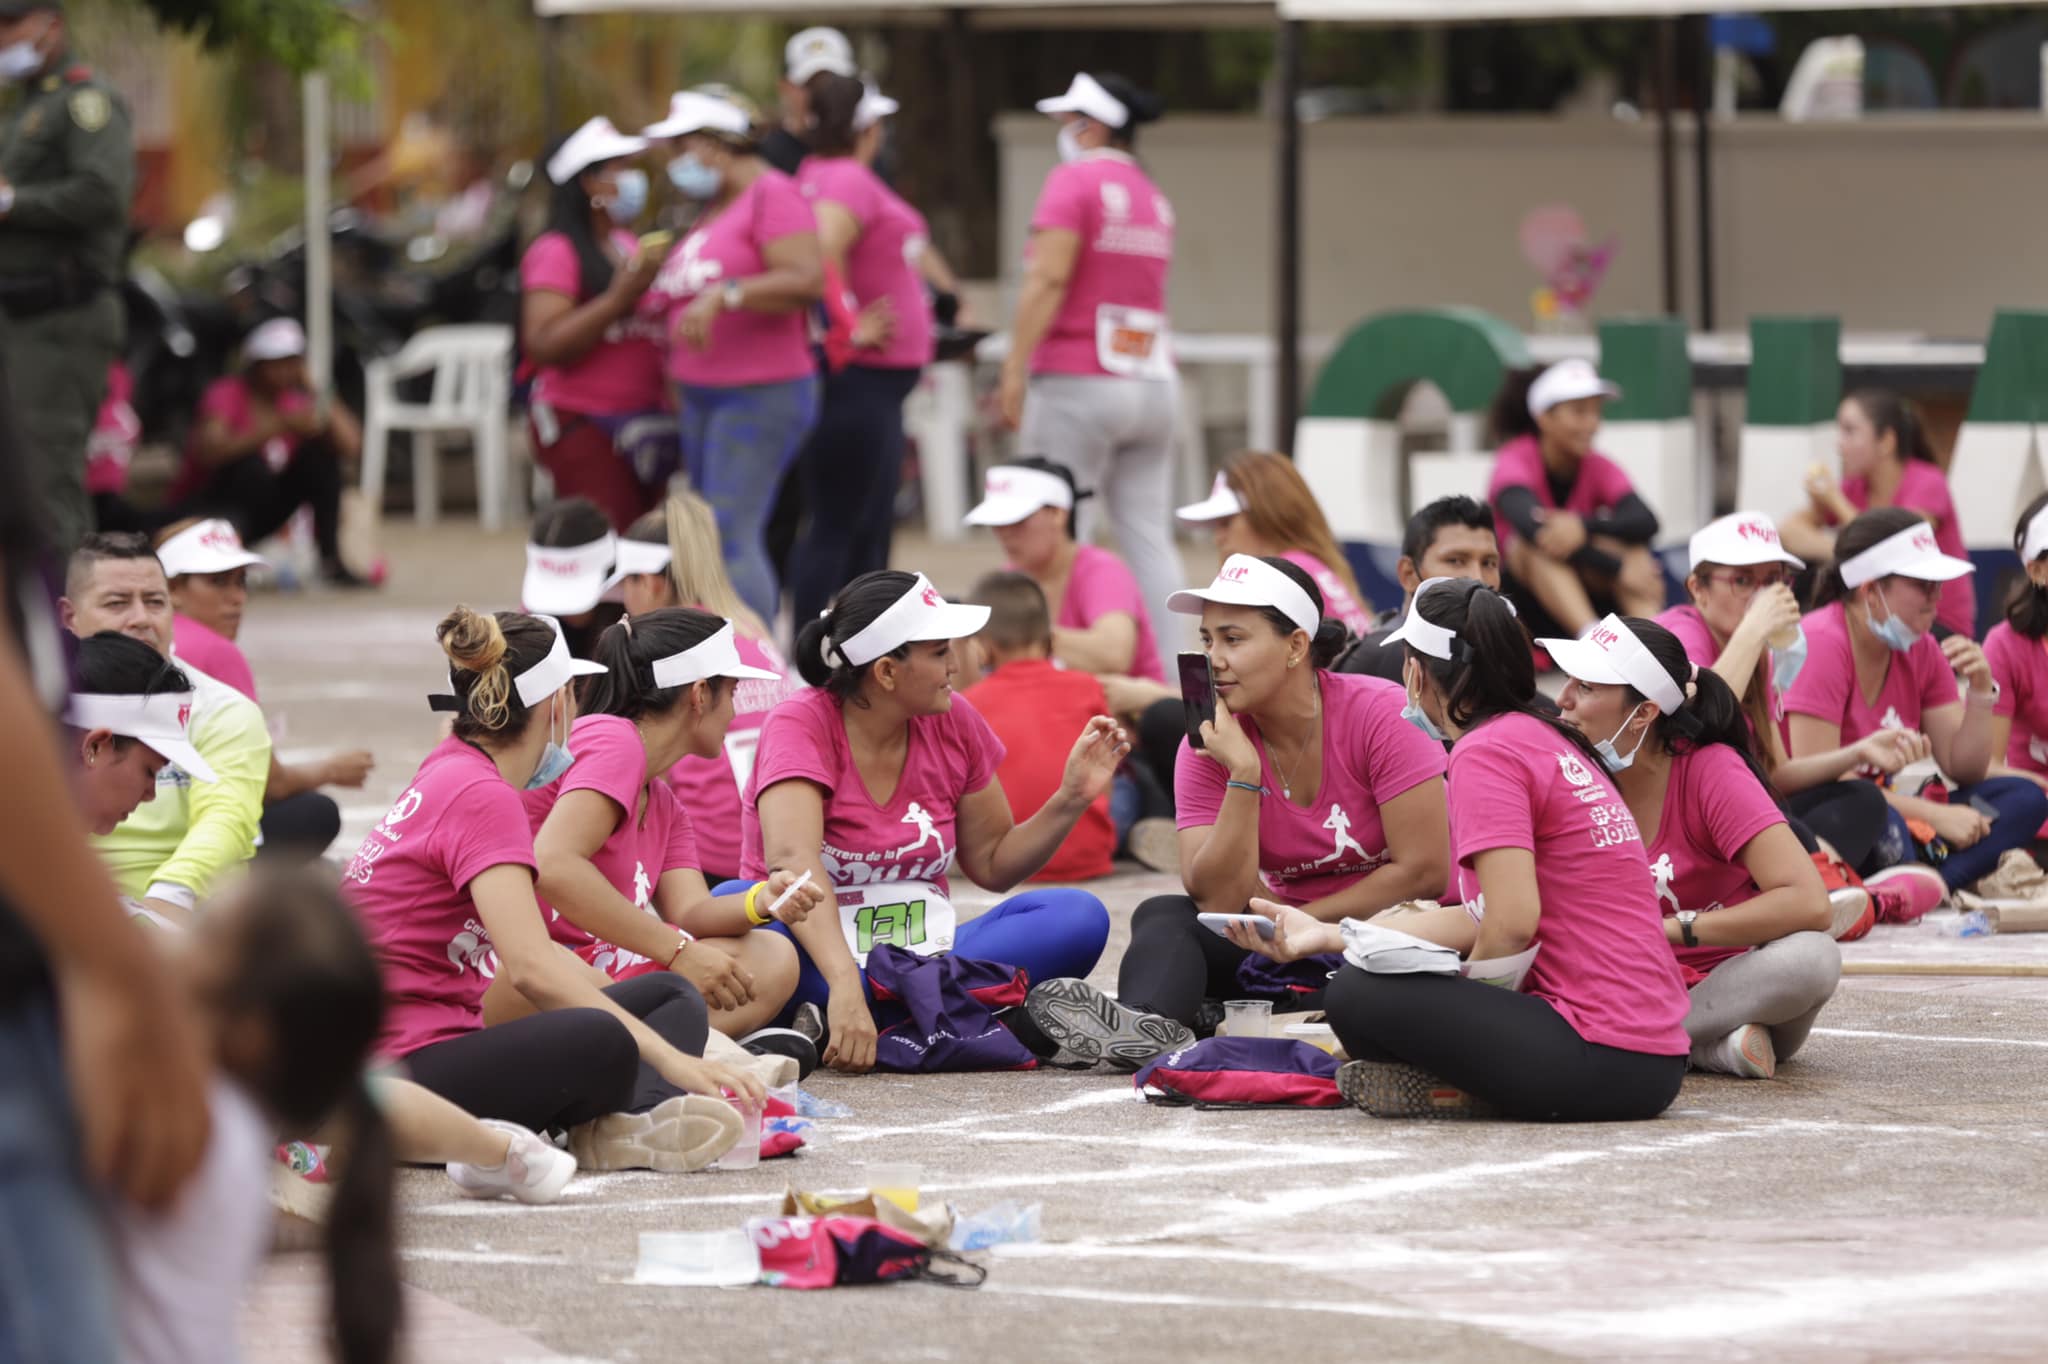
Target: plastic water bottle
(1004, 1224)
(809, 1105)
(1971, 925)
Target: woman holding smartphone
(1310, 787)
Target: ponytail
(1873, 527)
(366, 1302)
(1328, 640)
(1711, 713)
(1509, 417)
(1492, 672)
(629, 650)
(1887, 411)
(859, 604)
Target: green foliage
(300, 35)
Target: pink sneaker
(1905, 893)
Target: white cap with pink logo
(567, 580)
(919, 614)
(1245, 581)
(1911, 553)
(204, 547)
(159, 722)
(1012, 492)
(1610, 654)
(1739, 539)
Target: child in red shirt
(1025, 698)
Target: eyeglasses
(1743, 584)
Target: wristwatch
(729, 294)
(1685, 918)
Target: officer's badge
(90, 109)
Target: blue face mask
(1414, 714)
(695, 179)
(1895, 633)
(629, 196)
(1613, 760)
(554, 761)
(1787, 662)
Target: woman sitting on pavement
(1548, 856)
(570, 553)
(1100, 623)
(1309, 786)
(618, 854)
(1743, 905)
(1573, 531)
(2017, 649)
(879, 778)
(1872, 665)
(446, 880)
(1261, 506)
(671, 557)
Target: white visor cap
(1245, 581)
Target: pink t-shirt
(1125, 226)
(213, 653)
(1713, 807)
(709, 788)
(1370, 755)
(1915, 682)
(909, 837)
(229, 401)
(1697, 636)
(612, 761)
(745, 347)
(622, 372)
(883, 260)
(1598, 489)
(1100, 583)
(410, 883)
(1924, 488)
(1338, 603)
(1604, 965)
(2020, 667)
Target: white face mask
(19, 61)
(1070, 142)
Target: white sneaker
(535, 1171)
(1746, 1052)
(676, 1136)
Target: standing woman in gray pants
(1744, 908)
(1090, 378)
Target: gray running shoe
(1094, 1027)
(1392, 1089)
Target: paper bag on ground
(931, 1224)
(1506, 972)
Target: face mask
(554, 760)
(1786, 662)
(695, 179)
(630, 196)
(1614, 761)
(1896, 634)
(1070, 142)
(19, 61)
(1415, 715)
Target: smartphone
(1217, 923)
(1197, 694)
(1984, 808)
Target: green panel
(1647, 357)
(1463, 351)
(2013, 385)
(1795, 370)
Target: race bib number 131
(911, 915)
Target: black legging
(1160, 729)
(849, 472)
(1850, 815)
(1173, 964)
(1511, 1050)
(567, 1066)
(259, 500)
(299, 828)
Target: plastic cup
(897, 1183)
(746, 1152)
(698, 1259)
(1248, 1018)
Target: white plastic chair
(472, 392)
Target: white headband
(636, 557)
(1910, 553)
(1438, 641)
(1610, 653)
(158, 721)
(919, 614)
(716, 655)
(2035, 544)
(1246, 581)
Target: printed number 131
(900, 925)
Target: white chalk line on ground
(480, 1256)
(1931, 1037)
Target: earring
(92, 756)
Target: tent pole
(1667, 161)
(1287, 234)
(1703, 170)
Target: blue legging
(1049, 933)
(2021, 807)
(737, 443)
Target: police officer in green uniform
(67, 174)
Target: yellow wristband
(754, 916)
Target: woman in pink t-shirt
(589, 324)
(1309, 787)
(1090, 376)
(739, 287)
(671, 558)
(877, 780)
(1261, 505)
(1573, 531)
(445, 887)
(1100, 623)
(1886, 462)
(619, 869)
(853, 462)
(1872, 665)
(1547, 856)
(1744, 908)
(2017, 649)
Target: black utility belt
(48, 291)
